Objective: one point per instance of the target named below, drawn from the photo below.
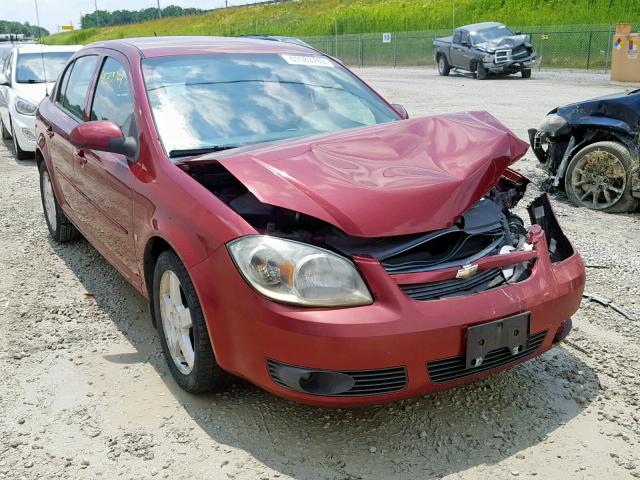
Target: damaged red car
(291, 227)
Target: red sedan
(291, 227)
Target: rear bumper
(394, 332)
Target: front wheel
(598, 177)
(5, 133)
(183, 331)
(481, 72)
(60, 228)
(20, 153)
(443, 66)
(526, 73)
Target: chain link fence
(573, 46)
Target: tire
(6, 135)
(60, 228)
(481, 72)
(196, 372)
(443, 66)
(599, 177)
(526, 73)
(20, 154)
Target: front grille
(367, 382)
(481, 281)
(454, 368)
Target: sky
(54, 13)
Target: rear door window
(74, 90)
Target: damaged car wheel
(598, 178)
(183, 332)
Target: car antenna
(44, 71)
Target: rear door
(70, 100)
(104, 180)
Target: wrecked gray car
(484, 49)
(591, 150)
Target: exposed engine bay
(488, 228)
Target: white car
(27, 74)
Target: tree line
(103, 18)
(15, 28)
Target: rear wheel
(526, 73)
(183, 331)
(443, 66)
(598, 177)
(481, 72)
(60, 228)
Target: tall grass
(326, 17)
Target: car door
(70, 100)
(5, 92)
(104, 180)
(457, 49)
(465, 52)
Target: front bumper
(249, 333)
(512, 66)
(24, 127)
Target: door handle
(80, 157)
(50, 131)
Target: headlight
(297, 273)
(487, 58)
(553, 124)
(25, 107)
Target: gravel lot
(85, 393)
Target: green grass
(322, 17)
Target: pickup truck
(484, 49)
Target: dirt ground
(85, 393)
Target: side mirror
(518, 32)
(4, 81)
(400, 110)
(104, 137)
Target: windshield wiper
(190, 152)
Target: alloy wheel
(176, 322)
(599, 180)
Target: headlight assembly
(25, 107)
(553, 124)
(296, 273)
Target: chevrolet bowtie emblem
(467, 271)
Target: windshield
(488, 34)
(29, 66)
(218, 101)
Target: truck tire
(481, 72)
(526, 73)
(599, 177)
(443, 66)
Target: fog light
(563, 331)
(28, 133)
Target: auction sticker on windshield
(307, 60)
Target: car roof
(37, 48)
(164, 46)
(481, 26)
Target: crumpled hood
(504, 42)
(397, 178)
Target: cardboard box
(625, 54)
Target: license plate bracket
(511, 332)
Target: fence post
(395, 49)
(360, 50)
(589, 49)
(608, 56)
